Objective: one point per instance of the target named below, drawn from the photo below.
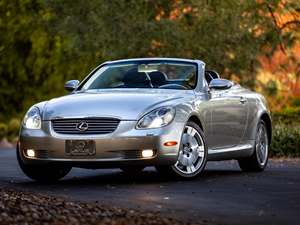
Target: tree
(43, 43)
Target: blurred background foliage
(44, 43)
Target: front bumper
(112, 149)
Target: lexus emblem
(82, 126)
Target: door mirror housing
(71, 85)
(220, 84)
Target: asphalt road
(222, 195)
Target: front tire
(257, 162)
(192, 155)
(47, 173)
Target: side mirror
(220, 84)
(71, 85)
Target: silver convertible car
(164, 112)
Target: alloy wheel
(192, 153)
(262, 144)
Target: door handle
(243, 100)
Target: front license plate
(80, 147)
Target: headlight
(157, 118)
(32, 119)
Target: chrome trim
(231, 149)
(239, 151)
(119, 159)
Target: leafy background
(44, 43)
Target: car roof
(155, 58)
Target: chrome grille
(94, 125)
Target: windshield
(164, 75)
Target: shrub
(13, 129)
(3, 131)
(286, 141)
(286, 133)
(288, 116)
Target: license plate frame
(80, 147)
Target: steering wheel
(173, 86)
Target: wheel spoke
(193, 142)
(193, 158)
(198, 151)
(201, 153)
(190, 169)
(259, 133)
(194, 149)
(260, 157)
(191, 131)
(182, 159)
(185, 139)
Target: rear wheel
(46, 173)
(258, 161)
(192, 155)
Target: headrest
(133, 78)
(158, 78)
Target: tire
(132, 169)
(257, 162)
(192, 156)
(47, 173)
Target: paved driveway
(222, 195)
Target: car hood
(122, 104)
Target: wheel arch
(267, 119)
(196, 120)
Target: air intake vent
(85, 125)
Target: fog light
(147, 153)
(30, 153)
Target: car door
(229, 115)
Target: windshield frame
(141, 61)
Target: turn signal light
(170, 143)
